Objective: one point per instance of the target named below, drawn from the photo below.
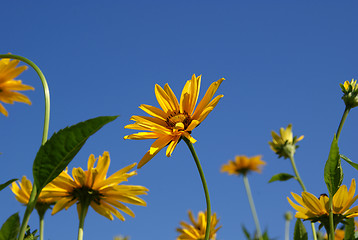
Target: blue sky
(282, 61)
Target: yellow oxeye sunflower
(285, 144)
(175, 120)
(22, 190)
(350, 93)
(317, 209)
(9, 86)
(243, 165)
(93, 187)
(196, 229)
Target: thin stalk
(252, 206)
(287, 229)
(42, 225)
(83, 213)
(205, 186)
(344, 117)
(303, 188)
(35, 192)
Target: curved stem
(208, 206)
(45, 88)
(35, 192)
(303, 188)
(82, 216)
(252, 206)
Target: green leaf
(10, 228)
(62, 147)
(333, 174)
(281, 177)
(300, 232)
(355, 165)
(349, 229)
(4, 185)
(247, 234)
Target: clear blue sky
(282, 61)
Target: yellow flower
(9, 86)
(175, 120)
(92, 186)
(350, 93)
(242, 165)
(22, 191)
(285, 144)
(317, 209)
(196, 229)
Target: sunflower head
(9, 86)
(243, 165)
(22, 190)
(92, 187)
(195, 230)
(350, 93)
(175, 119)
(284, 145)
(315, 209)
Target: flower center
(178, 121)
(86, 194)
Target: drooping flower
(22, 190)
(317, 209)
(243, 165)
(285, 144)
(93, 187)
(9, 86)
(195, 230)
(176, 119)
(350, 93)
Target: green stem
(42, 226)
(83, 213)
(208, 206)
(252, 206)
(35, 192)
(344, 117)
(331, 220)
(303, 188)
(287, 229)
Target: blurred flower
(338, 234)
(350, 93)
(317, 209)
(120, 238)
(9, 86)
(174, 121)
(92, 186)
(285, 144)
(242, 165)
(22, 190)
(196, 229)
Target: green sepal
(10, 228)
(353, 164)
(349, 229)
(4, 185)
(62, 147)
(333, 173)
(300, 232)
(281, 177)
